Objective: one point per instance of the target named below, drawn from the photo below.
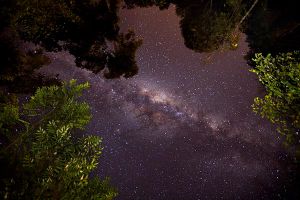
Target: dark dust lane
(183, 127)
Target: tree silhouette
(86, 29)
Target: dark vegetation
(207, 25)
(41, 154)
(274, 27)
(89, 30)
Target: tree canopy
(42, 155)
(281, 105)
(205, 25)
(274, 27)
(87, 29)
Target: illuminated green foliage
(281, 105)
(43, 158)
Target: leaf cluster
(208, 25)
(46, 159)
(281, 105)
(86, 29)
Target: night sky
(183, 127)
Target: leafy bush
(41, 157)
(281, 77)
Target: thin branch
(248, 12)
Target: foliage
(208, 25)
(273, 27)
(6, 7)
(86, 29)
(281, 77)
(205, 25)
(162, 4)
(207, 31)
(41, 156)
(10, 62)
(15, 60)
(18, 66)
(122, 62)
(9, 113)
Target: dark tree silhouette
(274, 31)
(86, 29)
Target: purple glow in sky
(182, 128)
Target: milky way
(183, 127)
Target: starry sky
(183, 127)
